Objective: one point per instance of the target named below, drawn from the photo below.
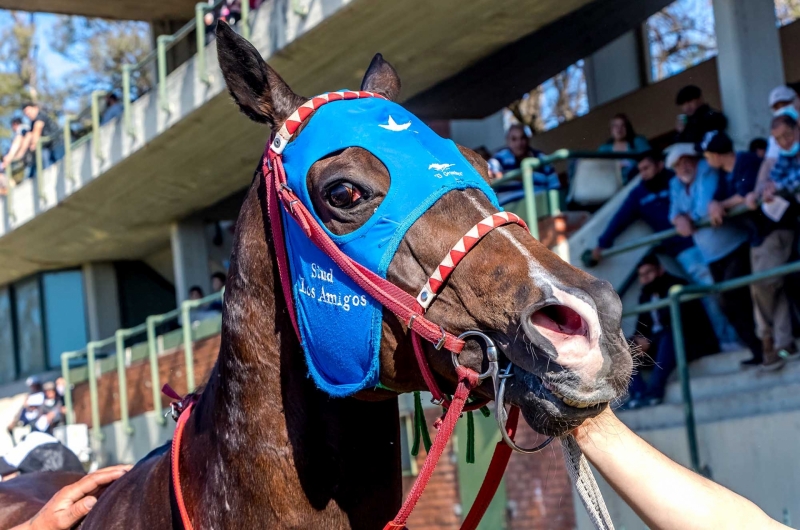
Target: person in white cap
(783, 100)
(725, 249)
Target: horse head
(558, 326)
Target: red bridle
(407, 308)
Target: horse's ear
(258, 89)
(382, 78)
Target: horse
(264, 446)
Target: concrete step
(768, 399)
(722, 375)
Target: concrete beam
(614, 70)
(190, 257)
(102, 299)
(750, 64)
(526, 63)
(116, 9)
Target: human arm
(664, 494)
(14, 149)
(72, 503)
(36, 134)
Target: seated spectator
(654, 332)
(650, 202)
(113, 109)
(43, 127)
(758, 146)
(698, 117)
(510, 158)
(725, 249)
(624, 140)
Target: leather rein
(410, 311)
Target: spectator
(758, 146)
(510, 158)
(784, 176)
(61, 388)
(43, 127)
(113, 108)
(654, 332)
(650, 202)
(19, 155)
(698, 117)
(53, 406)
(195, 292)
(782, 101)
(624, 140)
(217, 284)
(725, 248)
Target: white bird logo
(394, 126)
(440, 167)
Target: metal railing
(679, 294)
(183, 313)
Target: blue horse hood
(340, 325)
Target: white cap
(35, 400)
(676, 151)
(781, 94)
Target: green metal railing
(685, 293)
(118, 340)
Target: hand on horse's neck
(280, 451)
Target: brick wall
(538, 488)
(172, 370)
(436, 507)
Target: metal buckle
(440, 343)
(411, 321)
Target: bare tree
(681, 35)
(557, 100)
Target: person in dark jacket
(653, 333)
(649, 202)
(698, 117)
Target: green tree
(787, 10)
(101, 47)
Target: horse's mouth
(550, 401)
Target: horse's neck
(279, 449)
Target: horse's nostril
(559, 318)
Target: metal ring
(491, 354)
(501, 416)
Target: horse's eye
(343, 195)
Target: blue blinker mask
(340, 325)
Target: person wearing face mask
(783, 101)
(725, 249)
(771, 244)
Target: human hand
(72, 503)
(768, 193)
(683, 225)
(716, 213)
(751, 200)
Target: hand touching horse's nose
(70, 505)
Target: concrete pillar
(614, 70)
(750, 64)
(190, 257)
(102, 300)
(488, 132)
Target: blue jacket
(649, 201)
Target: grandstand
(97, 254)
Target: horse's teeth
(566, 400)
